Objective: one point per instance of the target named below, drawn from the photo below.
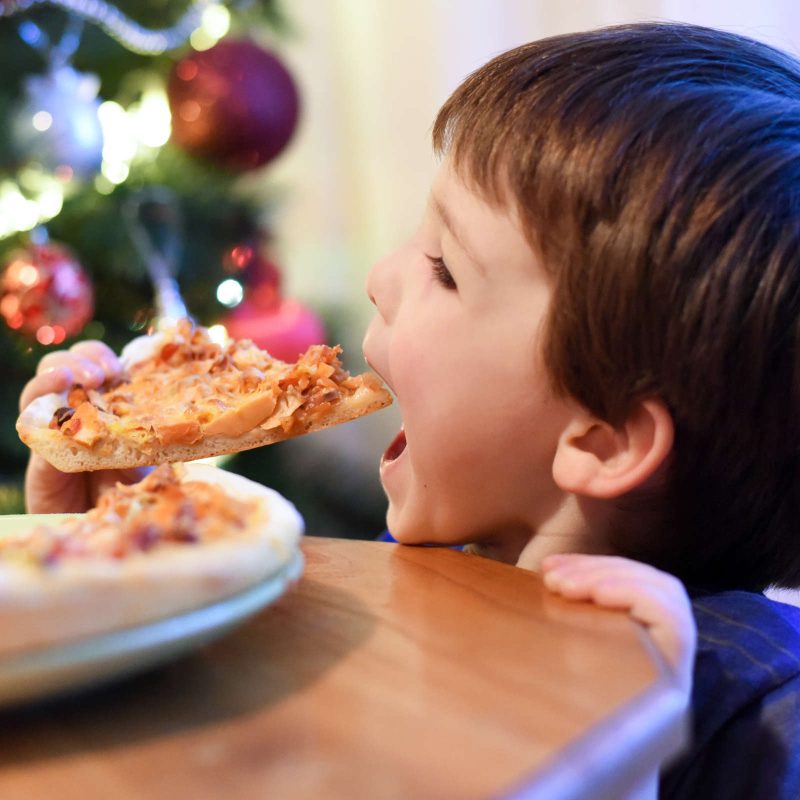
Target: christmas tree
(130, 128)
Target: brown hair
(656, 168)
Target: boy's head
(654, 172)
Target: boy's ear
(595, 459)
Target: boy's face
(458, 342)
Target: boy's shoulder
(745, 700)
(746, 643)
(739, 610)
(750, 634)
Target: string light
(42, 120)
(126, 31)
(119, 141)
(128, 134)
(230, 292)
(151, 118)
(20, 213)
(214, 24)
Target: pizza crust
(84, 597)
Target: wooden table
(387, 672)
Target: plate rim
(100, 658)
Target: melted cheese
(181, 386)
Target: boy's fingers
(664, 613)
(84, 370)
(55, 380)
(101, 354)
(89, 363)
(47, 490)
(564, 570)
(655, 599)
(583, 560)
(620, 584)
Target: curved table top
(387, 671)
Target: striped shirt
(745, 702)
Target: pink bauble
(286, 331)
(235, 104)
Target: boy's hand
(652, 597)
(47, 490)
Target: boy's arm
(654, 598)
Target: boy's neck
(576, 527)
(500, 550)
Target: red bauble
(285, 331)
(234, 104)
(46, 293)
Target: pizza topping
(77, 395)
(248, 415)
(191, 387)
(159, 511)
(61, 416)
(185, 431)
(85, 425)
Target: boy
(593, 341)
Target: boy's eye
(441, 273)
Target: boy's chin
(400, 530)
(395, 527)
(406, 533)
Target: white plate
(98, 659)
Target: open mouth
(396, 448)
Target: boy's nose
(381, 288)
(370, 285)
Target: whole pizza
(182, 538)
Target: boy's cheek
(408, 375)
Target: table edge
(616, 755)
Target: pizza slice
(184, 537)
(184, 396)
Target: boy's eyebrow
(449, 223)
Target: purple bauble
(235, 104)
